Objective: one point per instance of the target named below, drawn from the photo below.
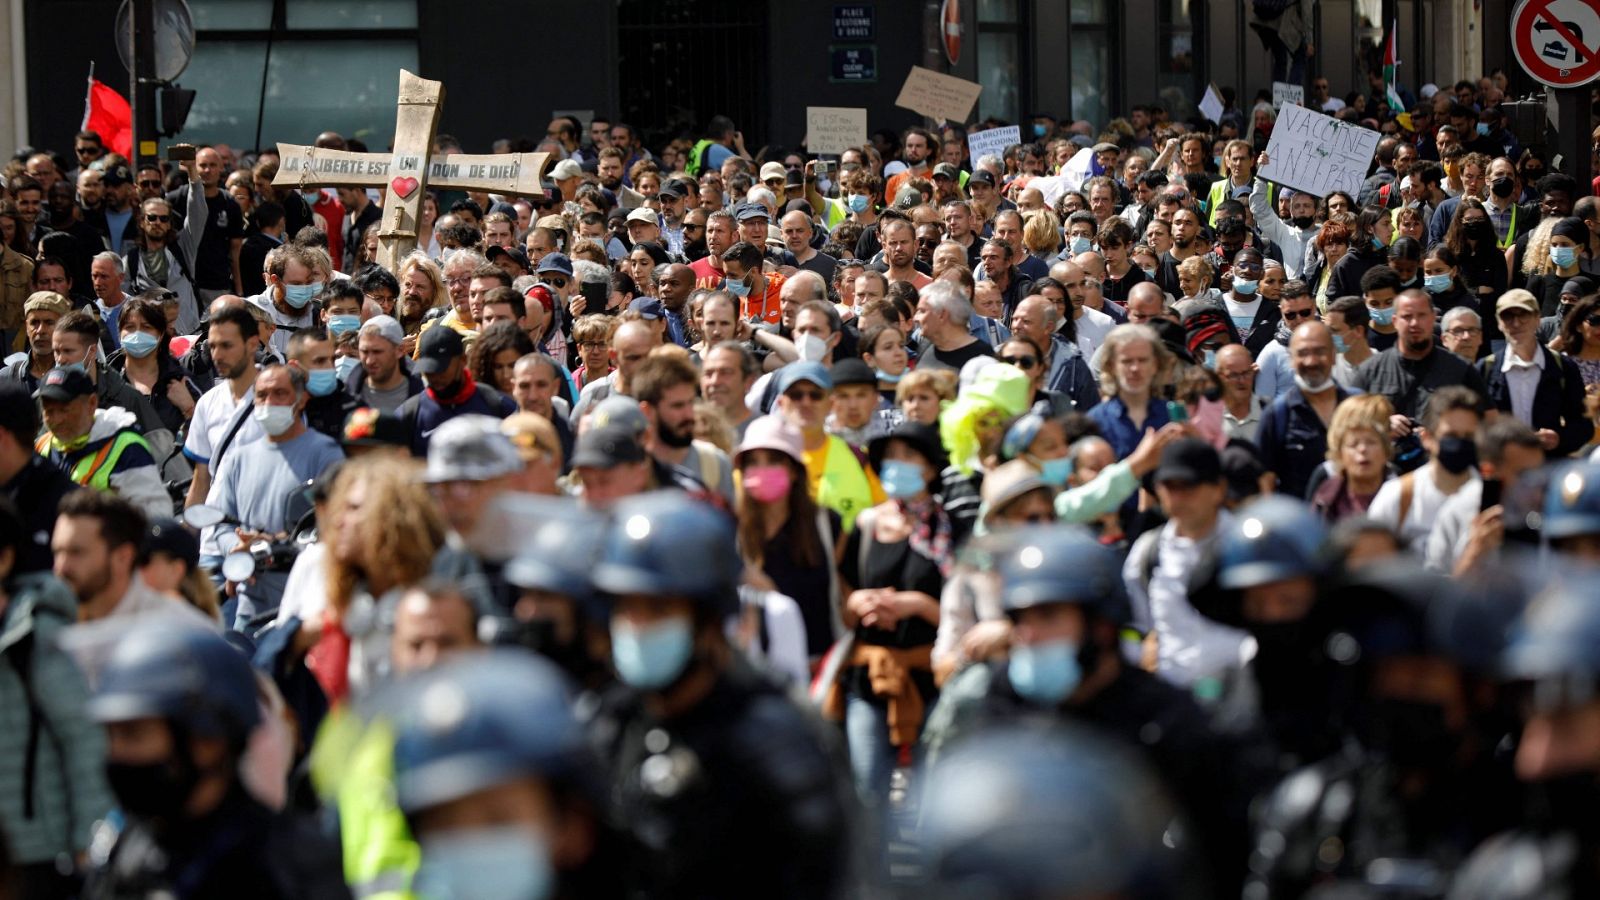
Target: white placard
(1211, 104)
(993, 141)
(835, 129)
(1284, 92)
(1318, 154)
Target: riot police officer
(179, 703)
(1064, 595)
(1572, 512)
(728, 788)
(555, 610)
(1055, 811)
(498, 782)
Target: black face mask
(1303, 221)
(1413, 733)
(1457, 454)
(1480, 231)
(153, 790)
(1501, 187)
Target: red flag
(107, 114)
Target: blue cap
(647, 307)
(750, 211)
(555, 262)
(804, 370)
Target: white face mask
(810, 347)
(275, 420)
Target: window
(326, 66)
(1092, 50)
(1000, 60)
(1181, 32)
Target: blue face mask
(1381, 316)
(1563, 256)
(859, 202)
(338, 325)
(1055, 472)
(654, 656)
(298, 295)
(1483, 129)
(1081, 244)
(1436, 284)
(1045, 673)
(321, 382)
(139, 344)
(1377, 242)
(1150, 274)
(737, 288)
(886, 378)
(1217, 161)
(75, 367)
(344, 365)
(1244, 286)
(1038, 129)
(1210, 360)
(1340, 345)
(501, 863)
(901, 479)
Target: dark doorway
(684, 61)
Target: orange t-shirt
(768, 308)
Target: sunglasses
(86, 151)
(806, 396)
(928, 242)
(151, 183)
(1593, 320)
(1303, 314)
(149, 218)
(556, 282)
(1021, 362)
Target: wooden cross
(408, 171)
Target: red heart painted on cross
(405, 187)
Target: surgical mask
(1563, 256)
(1217, 161)
(1437, 284)
(1244, 286)
(1377, 242)
(1038, 129)
(338, 325)
(499, 863)
(1150, 274)
(311, 197)
(1311, 387)
(810, 347)
(1340, 345)
(1055, 472)
(652, 656)
(344, 365)
(858, 203)
(886, 378)
(1457, 454)
(78, 366)
(1483, 129)
(298, 295)
(767, 483)
(1502, 187)
(1381, 316)
(321, 382)
(1409, 282)
(1303, 221)
(1210, 361)
(737, 288)
(139, 344)
(901, 479)
(275, 420)
(1081, 244)
(1045, 673)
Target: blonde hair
(939, 382)
(1196, 267)
(401, 532)
(1041, 233)
(1129, 333)
(590, 249)
(1369, 412)
(418, 260)
(594, 327)
(1536, 261)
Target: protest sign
(1211, 104)
(993, 141)
(835, 129)
(1284, 92)
(937, 95)
(1318, 154)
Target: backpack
(697, 156)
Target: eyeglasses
(459, 279)
(1302, 314)
(592, 345)
(1021, 362)
(806, 396)
(152, 218)
(1466, 331)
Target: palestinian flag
(1390, 63)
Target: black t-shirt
(930, 358)
(213, 265)
(822, 264)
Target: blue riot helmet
(1057, 812)
(666, 545)
(181, 671)
(553, 568)
(1556, 646)
(559, 554)
(1572, 503)
(480, 724)
(1054, 564)
(1272, 539)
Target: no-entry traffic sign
(1557, 42)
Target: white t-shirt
(214, 414)
(1426, 501)
(1093, 326)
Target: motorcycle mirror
(238, 567)
(202, 516)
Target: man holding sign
(1319, 154)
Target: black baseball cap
(168, 535)
(1190, 461)
(852, 371)
(606, 447)
(117, 176)
(980, 176)
(64, 383)
(516, 253)
(438, 347)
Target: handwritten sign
(1284, 92)
(938, 96)
(1318, 154)
(993, 141)
(835, 129)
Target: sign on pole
(835, 129)
(1211, 104)
(1318, 154)
(1284, 92)
(937, 95)
(993, 140)
(1557, 42)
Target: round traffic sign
(1557, 42)
(174, 40)
(950, 29)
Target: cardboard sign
(835, 129)
(938, 96)
(1211, 104)
(993, 141)
(1284, 92)
(1318, 154)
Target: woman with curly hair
(495, 353)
